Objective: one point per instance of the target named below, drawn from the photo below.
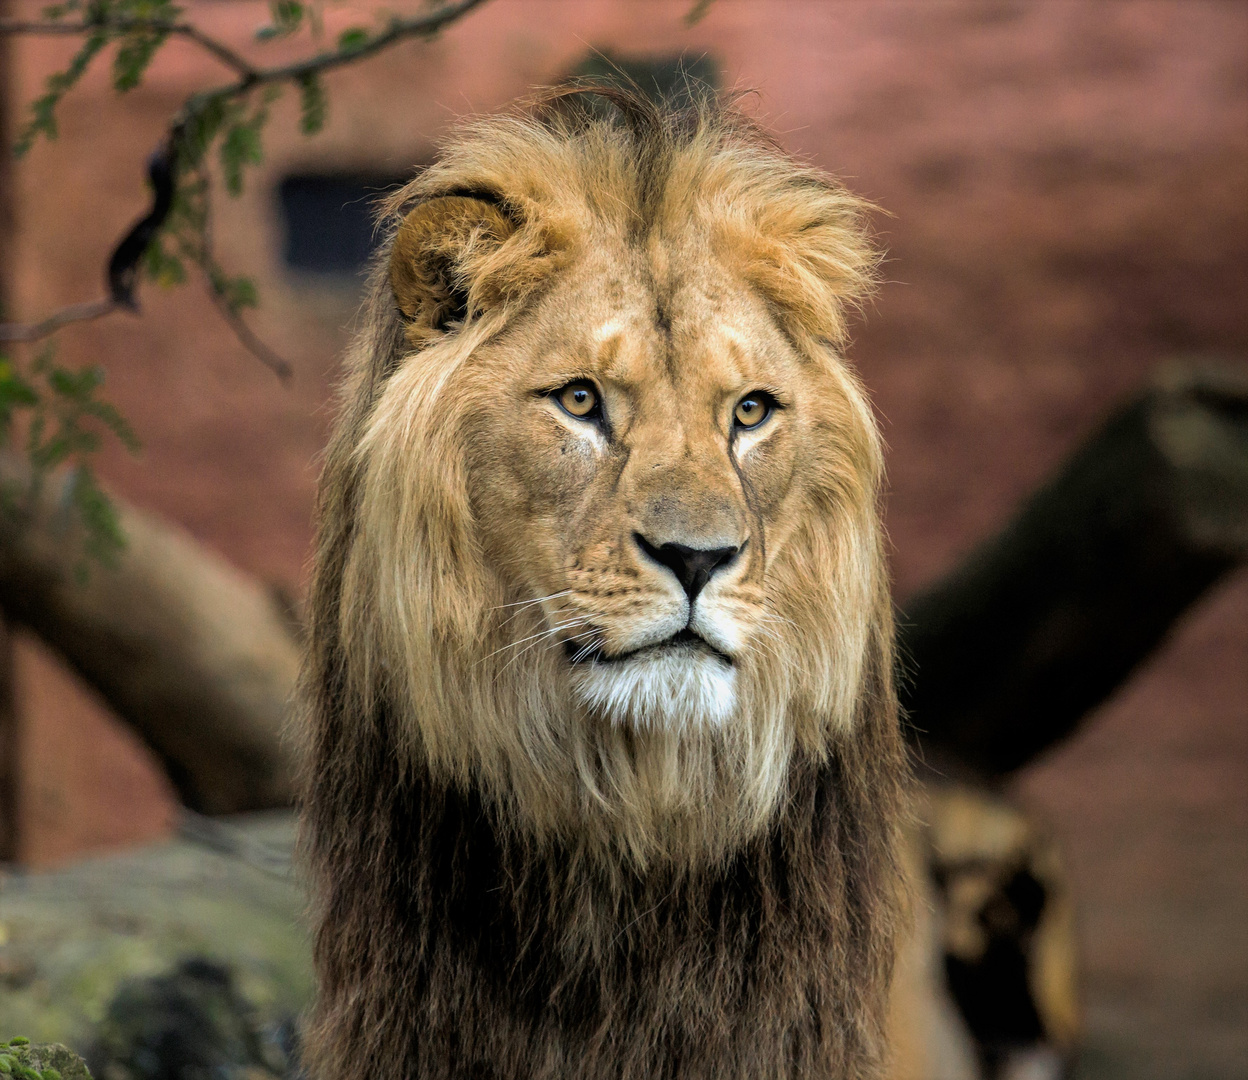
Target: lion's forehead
(692, 325)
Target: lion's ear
(440, 260)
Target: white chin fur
(673, 690)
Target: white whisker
(539, 600)
(532, 637)
(537, 639)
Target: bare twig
(280, 367)
(246, 336)
(93, 309)
(218, 49)
(397, 30)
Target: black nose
(693, 567)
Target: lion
(604, 770)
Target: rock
(75, 941)
(46, 1061)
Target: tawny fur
(529, 867)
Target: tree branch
(248, 339)
(197, 657)
(398, 30)
(209, 44)
(1044, 620)
(92, 309)
(250, 77)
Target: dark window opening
(329, 221)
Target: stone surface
(49, 1061)
(77, 941)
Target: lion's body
(604, 771)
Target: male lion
(604, 770)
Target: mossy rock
(24, 1060)
(74, 941)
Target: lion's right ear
(441, 258)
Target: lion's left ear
(808, 248)
(442, 258)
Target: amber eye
(752, 410)
(578, 398)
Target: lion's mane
(500, 889)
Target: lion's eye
(578, 398)
(752, 410)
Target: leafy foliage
(230, 118)
(43, 109)
(217, 133)
(230, 121)
(313, 105)
(288, 16)
(62, 421)
(136, 26)
(240, 145)
(353, 38)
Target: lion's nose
(693, 567)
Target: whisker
(537, 639)
(540, 634)
(539, 600)
(523, 606)
(595, 641)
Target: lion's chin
(669, 688)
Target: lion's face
(640, 457)
(617, 550)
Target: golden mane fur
(527, 864)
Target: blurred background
(1064, 200)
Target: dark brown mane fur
(451, 946)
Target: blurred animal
(986, 985)
(604, 775)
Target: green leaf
(14, 390)
(162, 267)
(205, 117)
(104, 539)
(76, 386)
(108, 415)
(237, 293)
(240, 148)
(353, 38)
(287, 15)
(56, 12)
(43, 109)
(313, 105)
(133, 57)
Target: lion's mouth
(683, 640)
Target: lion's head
(605, 495)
